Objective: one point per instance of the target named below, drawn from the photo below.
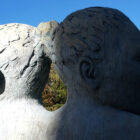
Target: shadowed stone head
(23, 61)
(97, 50)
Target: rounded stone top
(23, 60)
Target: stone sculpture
(96, 53)
(24, 70)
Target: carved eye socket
(2, 83)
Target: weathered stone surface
(24, 69)
(22, 60)
(47, 30)
(95, 51)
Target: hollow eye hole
(2, 83)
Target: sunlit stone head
(23, 61)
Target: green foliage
(54, 94)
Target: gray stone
(22, 60)
(47, 30)
(96, 53)
(24, 70)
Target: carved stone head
(97, 50)
(23, 63)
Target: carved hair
(83, 33)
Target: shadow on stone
(2, 83)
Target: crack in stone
(5, 65)
(2, 50)
(16, 39)
(26, 43)
(27, 65)
(15, 58)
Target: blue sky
(33, 12)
